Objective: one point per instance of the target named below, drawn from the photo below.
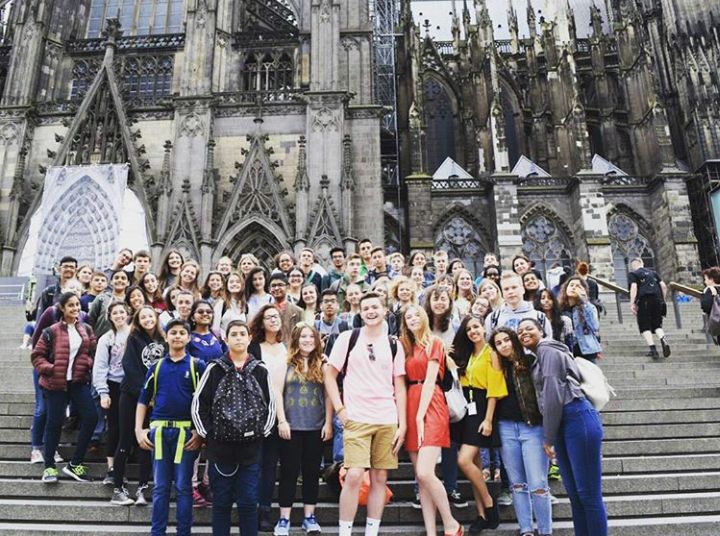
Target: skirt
(466, 432)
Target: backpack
(713, 320)
(592, 382)
(354, 336)
(647, 284)
(239, 409)
(194, 376)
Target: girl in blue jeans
(521, 436)
(571, 425)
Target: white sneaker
(36, 456)
(58, 458)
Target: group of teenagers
(213, 383)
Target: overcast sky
(438, 13)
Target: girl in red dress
(427, 415)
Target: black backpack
(239, 408)
(647, 283)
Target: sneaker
(50, 476)
(456, 499)
(504, 498)
(78, 472)
(109, 479)
(416, 502)
(486, 475)
(282, 528)
(121, 497)
(653, 353)
(58, 458)
(553, 499)
(198, 500)
(666, 348)
(310, 525)
(36, 456)
(264, 523)
(477, 526)
(140, 499)
(554, 472)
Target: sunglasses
(371, 352)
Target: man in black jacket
(647, 302)
(234, 467)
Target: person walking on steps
(647, 302)
(372, 410)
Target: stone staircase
(661, 453)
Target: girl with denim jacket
(586, 324)
(521, 435)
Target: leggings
(303, 449)
(113, 418)
(126, 440)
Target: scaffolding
(385, 18)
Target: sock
(372, 527)
(345, 528)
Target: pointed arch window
(461, 241)
(545, 243)
(440, 124)
(267, 72)
(138, 17)
(627, 242)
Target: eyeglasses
(271, 317)
(277, 285)
(67, 266)
(371, 352)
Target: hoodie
(141, 353)
(549, 372)
(511, 318)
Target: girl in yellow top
(483, 383)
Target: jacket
(505, 316)
(522, 381)
(587, 332)
(97, 317)
(50, 316)
(221, 451)
(51, 356)
(141, 353)
(108, 361)
(549, 372)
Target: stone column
(676, 251)
(591, 229)
(507, 213)
(419, 210)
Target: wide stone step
(611, 419)
(658, 431)
(661, 446)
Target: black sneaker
(264, 523)
(416, 502)
(78, 472)
(109, 479)
(492, 516)
(653, 353)
(666, 348)
(456, 499)
(477, 526)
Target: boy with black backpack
(234, 409)
(170, 383)
(647, 302)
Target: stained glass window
(138, 17)
(627, 243)
(546, 244)
(462, 241)
(267, 72)
(440, 125)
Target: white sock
(372, 527)
(345, 528)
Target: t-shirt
(368, 388)
(206, 347)
(175, 389)
(508, 408)
(75, 343)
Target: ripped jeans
(527, 467)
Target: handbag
(455, 398)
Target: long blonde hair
(407, 338)
(315, 359)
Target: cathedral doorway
(255, 239)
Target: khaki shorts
(369, 446)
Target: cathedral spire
(531, 19)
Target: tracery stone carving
(462, 241)
(192, 125)
(545, 243)
(325, 120)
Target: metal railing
(677, 288)
(619, 291)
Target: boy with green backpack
(171, 383)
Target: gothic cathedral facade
(255, 126)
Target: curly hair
(315, 360)
(519, 359)
(257, 329)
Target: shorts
(650, 313)
(369, 446)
